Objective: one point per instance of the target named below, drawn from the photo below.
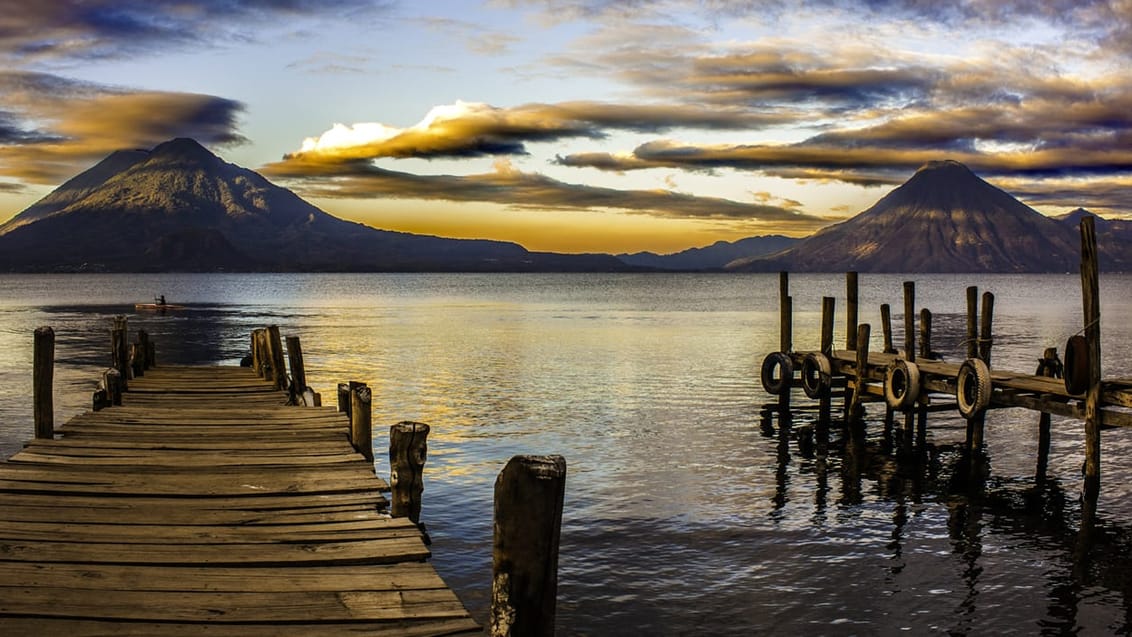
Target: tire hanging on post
(785, 366)
(973, 388)
(902, 384)
(1076, 369)
(817, 375)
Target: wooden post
(972, 321)
(909, 349)
(112, 382)
(143, 349)
(828, 304)
(344, 399)
(408, 450)
(986, 339)
(926, 334)
(529, 493)
(1091, 306)
(785, 314)
(863, 334)
(851, 310)
(43, 376)
(886, 328)
(257, 351)
(361, 419)
(137, 361)
(825, 403)
(298, 370)
(1044, 437)
(278, 364)
(910, 320)
(119, 354)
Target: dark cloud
(111, 28)
(52, 127)
(508, 186)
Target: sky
(581, 125)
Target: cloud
(468, 129)
(52, 127)
(81, 29)
(510, 186)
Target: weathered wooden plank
(204, 503)
(103, 628)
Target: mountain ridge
(180, 207)
(943, 219)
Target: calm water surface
(683, 516)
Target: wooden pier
(205, 504)
(914, 381)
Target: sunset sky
(581, 125)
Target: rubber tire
(777, 360)
(902, 384)
(973, 388)
(1076, 368)
(817, 375)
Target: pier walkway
(203, 505)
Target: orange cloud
(510, 186)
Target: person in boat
(160, 300)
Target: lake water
(682, 516)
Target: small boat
(158, 305)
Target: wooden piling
(851, 311)
(1044, 424)
(860, 372)
(361, 419)
(278, 363)
(529, 494)
(344, 400)
(258, 351)
(112, 383)
(785, 314)
(298, 370)
(972, 322)
(886, 328)
(119, 352)
(144, 349)
(926, 334)
(1090, 297)
(43, 375)
(910, 320)
(986, 337)
(828, 304)
(408, 450)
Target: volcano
(179, 207)
(944, 219)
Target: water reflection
(1073, 550)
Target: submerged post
(825, 402)
(529, 493)
(408, 450)
(43, 376)
(361, 419)
(1091, 305)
